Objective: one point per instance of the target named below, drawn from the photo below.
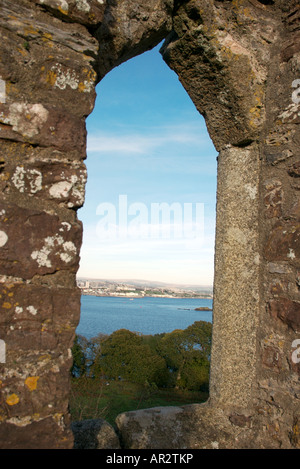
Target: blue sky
(148, 145)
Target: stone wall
(239, 61)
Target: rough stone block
(240, 420)
(89, 12)
(36, 317)
(271, 358)
(36, 243)
(38, 124)
(94, 434)
(62, 182)
(294, 169)
(191, 426)
(273, 198)
(283, 243)
(46, 433)
(286, 310)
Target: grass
(97, 398)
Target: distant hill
(150, 284)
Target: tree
(84, 353)
(79, 359)
(187, 355)
(194, 374)
(124, 355)
(200, 337)
(180, 358)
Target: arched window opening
(147, 259)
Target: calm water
(145, 315)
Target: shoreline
(133, 297)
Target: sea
(146, 315)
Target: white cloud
(145, 140)
(111, 143)
(174, 260)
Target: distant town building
(114, 288)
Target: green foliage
(194, 375)
(84, 353)
(124, 355)
(79, 358)
(187, 355)
(177, 359)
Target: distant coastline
(141, 289)
(200, 297)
